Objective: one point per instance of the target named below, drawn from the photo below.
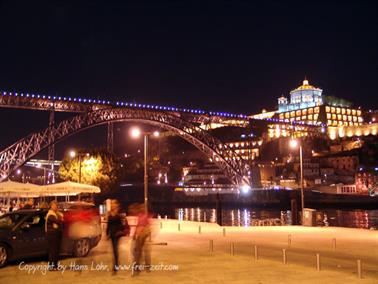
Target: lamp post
(136, 133)
(79, 155)
(294, 144)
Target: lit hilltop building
(304, 96)
(316, 111)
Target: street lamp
(136, 133)
(79, 155)
(294, 144)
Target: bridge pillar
(110, 137)
(51, 149)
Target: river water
(354, 218)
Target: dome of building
(305, 86)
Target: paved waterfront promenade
(187, 258)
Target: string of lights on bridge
(144, 106)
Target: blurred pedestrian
(29, 204)
(141, 235)
(53, 229)
(115, 230)
(43, 205)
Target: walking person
(142, 233)
(115, 230)
(29, 204)
(53, 229)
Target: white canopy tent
(67, 188)
(18, 189)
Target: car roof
(29, 211)
(76, 203)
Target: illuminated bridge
(190, 124)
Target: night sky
(233, 56)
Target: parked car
(22, 232)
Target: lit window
(310, 110)
(328, 109)
(348, 111)
(281, 116)
(337, 110)
(343, 111)
(298, 113)
(310, 117)
(333, 109)
(339, 116)
(316, 110)
(287, 115)
(344, 117)
(353, 111)
(328, 116)
(358, 112)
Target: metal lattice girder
(234, 167)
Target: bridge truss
(234, 167)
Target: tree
(98, 167)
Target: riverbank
(187, 257)
(256, 198)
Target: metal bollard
(211, 246)
(165, 217)
(359, 268)
(161, 225)
(199, 229)
(232, 248)
(224, 232)
(334, 244)
(318, 262)
(179, 227)
(284, 256)
(289, 240)
(256, 253)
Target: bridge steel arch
(233, 166)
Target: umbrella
(18, 189)
(68, 188)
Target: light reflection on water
(354, 218)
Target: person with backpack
(115, 230)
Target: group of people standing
(118, 227)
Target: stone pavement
(187, 257)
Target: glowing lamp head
(135, 132)
(156, 133)
(245, 188)
(72, 154)
(293, 143)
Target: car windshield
(10, 220)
